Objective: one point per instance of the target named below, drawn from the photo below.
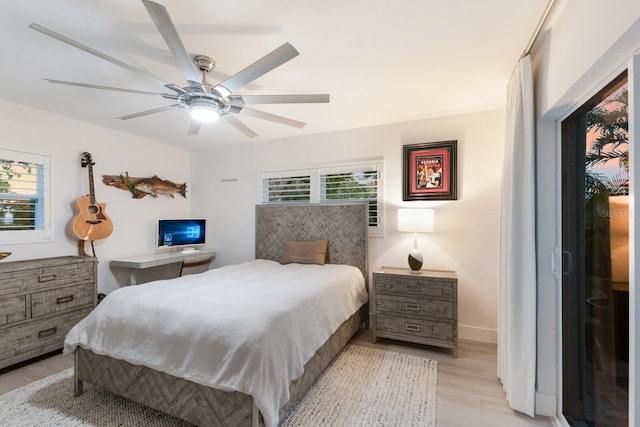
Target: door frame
(634, 238)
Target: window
(25, 206)
(338, 183)
(291, 186)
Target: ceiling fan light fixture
(205, 101)
(205, 112)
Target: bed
(191, 398)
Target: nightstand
(416, 307)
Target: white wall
(569, 58)
(30, 130)
(466, 235)
(585, 44)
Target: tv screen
(181, 232)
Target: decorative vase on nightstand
(415, 260)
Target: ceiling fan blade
(175, 88)
(170, 35)
(117, 89)
(147, 112)
(93, 51)
(262, 66)
(240, 126)
(283, 99)
(194, 127)
(219, 76)
(272, 117)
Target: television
(187, 233)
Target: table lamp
(415, 221)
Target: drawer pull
(47, 278)
(412, 327)
(47, 332)
(413, 287)
(62, 300)
(411, 306)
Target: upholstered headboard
(344, 225)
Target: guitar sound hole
(93, 209)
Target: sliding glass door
(595, 250)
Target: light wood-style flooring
(468, 392)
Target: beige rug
(363, 387)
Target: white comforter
(249, 327)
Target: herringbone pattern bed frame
(346, 228)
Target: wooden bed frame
(344, 225)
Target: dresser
(40, 301)
(416, 307)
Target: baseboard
(546, 404)
(474, 333)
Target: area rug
(364, 386)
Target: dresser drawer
(410, 306)
(61, 299)
(408, 326)
(414, 286)
(13, 309)
(49, 276)
(38, 337)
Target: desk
(135, 263)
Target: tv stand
(136, 263)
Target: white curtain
(517, 314)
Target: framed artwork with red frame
(429, 171)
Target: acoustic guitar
(90, 221)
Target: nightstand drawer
(409, 306)
(414, 286)
(415, 327)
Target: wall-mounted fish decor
(140, 187)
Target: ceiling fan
(206, 102)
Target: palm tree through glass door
(595, 245)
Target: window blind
(356, 185)
(286, 189)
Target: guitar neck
(92, 196)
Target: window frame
(43, 221)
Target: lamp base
(415, 264)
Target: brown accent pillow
(313, 252)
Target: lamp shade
(416, 220)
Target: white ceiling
(382, 61)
